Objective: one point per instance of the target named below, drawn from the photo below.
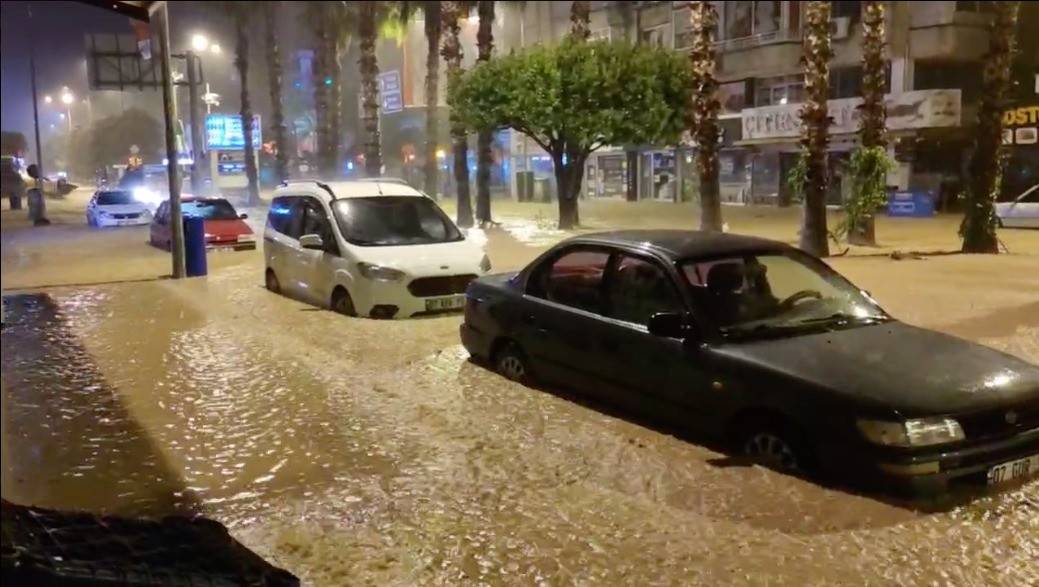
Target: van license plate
(1006, 472)
(446, 303)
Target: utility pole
(35, 99)
(160, 11)
(195, 110)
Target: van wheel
(271, 281)
(511, 362)
(342, 303)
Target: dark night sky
(58, 29)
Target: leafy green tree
(452, 53)
(271, 12)
(869, 163)
(815, 126)
(705, 112)
(986, 163)
(576, 97)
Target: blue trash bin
(195, 246)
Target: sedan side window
(639, 288)
(574, 279)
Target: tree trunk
(452, 53)
(815, 123)
(705, 112)
(987, 161)
(335, 106)
(568, 186)
(862, 230)
(580, 18)
(484, 156)
(431, 166)
(321, 91)
(369, 90)
(281, 156)
(242, 64)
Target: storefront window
(786, 89)
(608, 176)
(937, 75)
(738, 19)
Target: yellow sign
(1021, 116)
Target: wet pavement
(353, 451)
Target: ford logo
(1011, 417)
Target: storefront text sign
(918, 109)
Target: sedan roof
(682, 244)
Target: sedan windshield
(394, 220)
(776, 292)
(210, 209)
(115, 198)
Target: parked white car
(1023, 212)
(116, 208)
(368, 248)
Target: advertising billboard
(224, 132)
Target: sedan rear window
(119, 198)
(209, 209)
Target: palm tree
(452, 53)
(369, 65)
(239, 13)
(986, 163)
(431, 13)
(270, 14)
(705, 111)
(316, 16)
(815, 126)
(580, 19)
(869, 166)
(484, 156)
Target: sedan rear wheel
(511, 363)
(271, 281)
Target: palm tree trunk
(705, 111)
(281, 163)
(484, 156)
(452, 53)
(431, 167)
(815, 123)
(242, 64)
(321, 90)
(987, 161)
(335, 106)
(580, 19)
(369, 89)
(862, 231)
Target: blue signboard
(910, 204)
(224, 132)
(390, 98)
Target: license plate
(1006, 472)
(447, 303)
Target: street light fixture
(215, 49)
(199, 42)
(67, 97)
(47, 99)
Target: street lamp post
(67, 99)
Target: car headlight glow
(911, 433)
(380, 273)
(146, 195)
(485, 264)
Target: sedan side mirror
(243, 216)
(671, 325)
(312, 241)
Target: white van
(369, 248)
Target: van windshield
(394, 221)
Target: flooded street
(361, 452)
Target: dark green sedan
(760, 344)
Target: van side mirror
(312, 241)
(671, 325)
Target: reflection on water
(359, 451)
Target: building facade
(934, 53)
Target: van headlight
(912, 433)
(380, 273)
(485, 264)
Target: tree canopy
(575, 97)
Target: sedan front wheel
(776, 446)
(512, 363)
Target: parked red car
(224, 226)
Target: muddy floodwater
(360, 452)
